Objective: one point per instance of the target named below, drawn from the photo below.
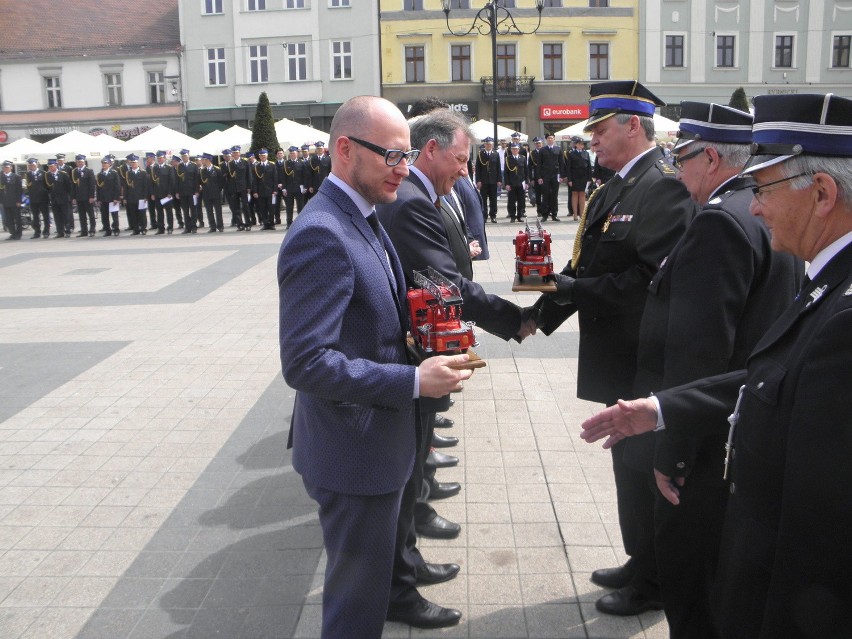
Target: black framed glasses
(392, 156)
(679, 159)
(760, 189)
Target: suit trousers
(214, 213)
(86, 211)
(359, 535)
(634, 493)
(489, 201)
(105, 218)
(549, 198)
(188, 209)
(517, 202)
(40, 211)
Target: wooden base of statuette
(472, 364)
(533, 283)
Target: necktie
(373, 221)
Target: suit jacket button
(760, 385)
(581, 270)
(733, 488)
(681, 465)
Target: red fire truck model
(532, 253)
(435, 309)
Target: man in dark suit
(39, 198)
(240, 177)
(488, 178)
(515, 178)
(137, 192)
(59, 188)
(212, 183)
(624, 236)
(83, 195)
(427, 230)
(534, 167)
(187, 190)
(547, 177)
(163, 181)
(11, 199)
(264, 184)
(342, 334)
(785, 559)
(684, 336)
(291, 179)
(319, 167)
(109, 195)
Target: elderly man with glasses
(719, 290)
(785, 559)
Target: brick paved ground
(145, 489)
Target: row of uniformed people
(253, 187)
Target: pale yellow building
(542, 79)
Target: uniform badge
(816, 294)
(621, 218)
(848, 291)
(715, 200)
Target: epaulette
(666, 168)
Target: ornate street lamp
(492, 20)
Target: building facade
(705, 49)
(111, 69)
(542, 78)
(309, 56)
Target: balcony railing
(510, 88)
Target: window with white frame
(841, 45)
(339, 3)
(726, 51)
(675, 46)
(341, 60)
(256, 5)
(53, 92)
(599, 60)
(112, 86)
(258, 63)
(156, 87)
(216, 67)
(295, 4)
(784, 52)
(297, 61)
(552, 61)
(211, 7)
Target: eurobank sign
(563, 111)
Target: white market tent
(235, 136)
(20, 150)
(290, 133)
(211, 143)
(664, 128)
(482, 129)
(162, 138)
(73, 142)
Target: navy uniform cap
(514, 145)
(184, 151)
(306, 147)
(249, 154)
(319, 144)
(8, 163)
(207, 156)
(106, 160)
(161, 154)
(712, 123)
(536, 140)
(51, 162)
(488, 139)
(226, 151)
(293, 148)
(133, 157)
(193, 158)
(176, 158)
(150, 154)
(60, 156)
(806, 124)
(263, 152)
(516, 135)
(622, 96)
(236, 148)
(80, 156)
(32, 161)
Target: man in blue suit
(342, 334)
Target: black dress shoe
(185, 231)
(424, 614)
(160, 232)
(452, 401)
(442, 490)
(444, 422)
(440, 460)
(212, 229)
(627, 601)
(429, 574)
(439, 441)
(613, 577)
(438, 528)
